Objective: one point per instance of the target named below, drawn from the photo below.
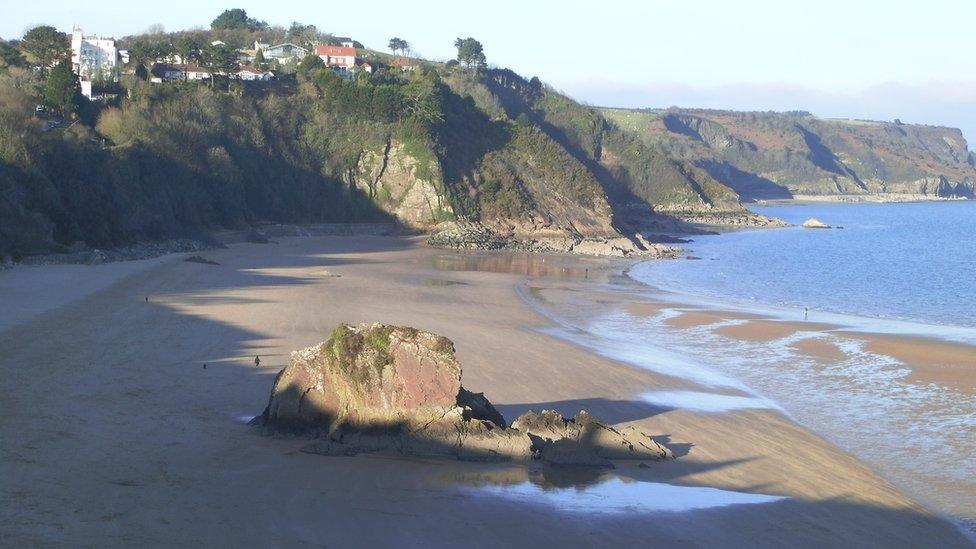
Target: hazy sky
(868, 59)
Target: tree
(156, 29)
(259, 59)
(303, 35)
(46, 45)
(237, 19)
(218, 58)
(61, 91)
(10, 56)
(471, 54)
(310, 63)
(398, 45)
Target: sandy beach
(114, 434)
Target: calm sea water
(912, 262)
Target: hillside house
(164, 72)
(252, 74)
(339, 57)
(404, 64)
(92, 56)
(197, 73)
(344, 41)
(282, 53)
(366, 66)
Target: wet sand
(113, 433)
(948, 364)
(693, 318)
(820, 349)
(763, 331)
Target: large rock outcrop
(392, 389)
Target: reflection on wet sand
(526, 264)
(596, 492)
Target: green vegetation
(236, 19)
(180, 159)
(470, 53)
(45, 45)
(61, 89)
(398, 45)
(345, 345)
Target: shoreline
(124, 365)
(886, 198)
(927, 356)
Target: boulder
(814, 223)
(376, 388)
(369, 376)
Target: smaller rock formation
(392, 389)
(463, 235)
(814, 223)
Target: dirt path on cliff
(113, 433)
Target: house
(404, 64)
(341, 57)
(365, 66)
(93, 57)
(283, 53)
(252, 74)
(344, 41)
(164, 72)
(196, 73)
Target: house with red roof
(404, 64)
(340, 57)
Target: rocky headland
(476, 236)
(377, 388)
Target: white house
(92, 56)
(197, 73)
(341, 57)
(283, 53)
(249, 73)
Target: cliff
(441, 145)
(767, 155)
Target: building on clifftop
(93, 57)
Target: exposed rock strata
(475, 236)
(391, 389)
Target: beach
(114, 433)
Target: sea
(907, 268)
(908, 262)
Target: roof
(285, 45)
(335, 51)
(403, 62)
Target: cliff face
(403, 185)
(789, 155)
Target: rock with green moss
(366, 376)
(376, 388)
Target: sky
(869, 59)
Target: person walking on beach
(806, 313)
(257, 360)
